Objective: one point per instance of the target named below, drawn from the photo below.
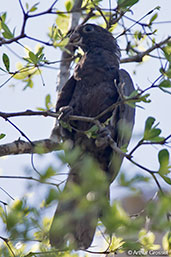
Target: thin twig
(127, 156)
(53, 4)
(20, 131)
(136, 22)
(157, 182)
(7, 193)
(6, 241)
(31, 178)
(21, 5)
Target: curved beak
(75, 38)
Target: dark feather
(95, 86)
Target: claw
(102, 139)
(65, 112)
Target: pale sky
(15, 99)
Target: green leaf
(92, 132)
(3, 16)
(62, 45)
(165, 91)
(166, 179)
(41, 109)
(168, 74)
(48, 101)
(167, 51)
(154, 133)
(48, 174)
(62, 22)
(151, 132)
(163, 158)
(34, 7)
(165, 83)
(126, 3)
(66, 125)
(27, 59)
(144, 99)
(133, 94)
(2, 19)
(27, 6)
(33, 57)
(39, 52)
(137, 98)
(115, 217)
(154, 17)
(149, 123)
(41, 58)
(147, 239)
(128, 182)
(115, 243)
(140, 35)
(6, 61)
(2, 136)
(68, 5)
(30, 83)
(53, 195)
(54, 33)
(7, 33)
(71, 156)
(166, 242)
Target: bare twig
(31, 178)
(19, 130)
(157, 183)
(128, 156)
(22, 8)
(136, 22)
(6, 194)
(101, 13)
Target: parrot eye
(88, 28)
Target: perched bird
(97, 84)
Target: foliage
(26, 222)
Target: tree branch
(48, 145)
(6, 115)
(33, 179)
(23, 147)
(66, 57)
(138, 57)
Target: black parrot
(96, 84)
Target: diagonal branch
(138, 57)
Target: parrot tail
(75, 220)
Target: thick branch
(22, 147)
(48, 145)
